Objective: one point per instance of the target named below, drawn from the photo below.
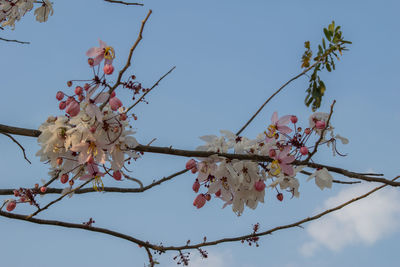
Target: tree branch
(124, 3)
(14, 41)
(106, 189)
(177, 248)
(22, 148)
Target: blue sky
(230, 56)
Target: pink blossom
(304, 150)
(100, 53)
(199, 201)
(320, 125)
(191, 164)
(73, 108)
(280, 124)
(284, 159)
(115, 103)
(93, 172)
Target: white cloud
(362, 222)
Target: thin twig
(274, 94)
(22, 148)
(322, 133)
(124, 3)
(58, 199)
(151, 261)
(14, 41)
(50, 190)
(154, 85)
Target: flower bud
(259, 185)
(43, 189)
(69, 83)
(117, 175)
(307, 131)
(304, 150)
(293, 119)
(279, 196)
(196, 186)
(199, 201)
(73, 109)
(320, 125)
(78, 90)
(108, 69)
(191, 164)
(64, 178)
(59, 95)
(62, 105)
(90, 61)
(115, 103)
(59, 161)
(11, 205)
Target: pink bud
(11, 205)
(86, 86)
(73, 109)
(117, 175)
(123, 117)
(191, 164)
(196, 186)
(78, 90)
(199, 201)
(218, 194)
(62, 105)
(304, 150)
(115, 103)
(320, 125)
(71, 182)
(59, 161)
(69, 83)
(272, 153)
(112, 94)
(64, 178)
(307, 131)
(43, 189)
(90, 61)
(108, 69)
(16, 193)
(279, 196)
(259, 185)
(293, 119)
(59, 95)
(208, 197)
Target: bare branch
(151, 261)
(19, 131)
(124, 3)
(178, 248)
(14, 41)
(106, 189)
(274, 94)
(154, 85)
(22, 148)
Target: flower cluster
(13, 10)
(242, 183)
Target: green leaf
(328, 35)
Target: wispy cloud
(363, 222)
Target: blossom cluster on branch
(242, 183)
